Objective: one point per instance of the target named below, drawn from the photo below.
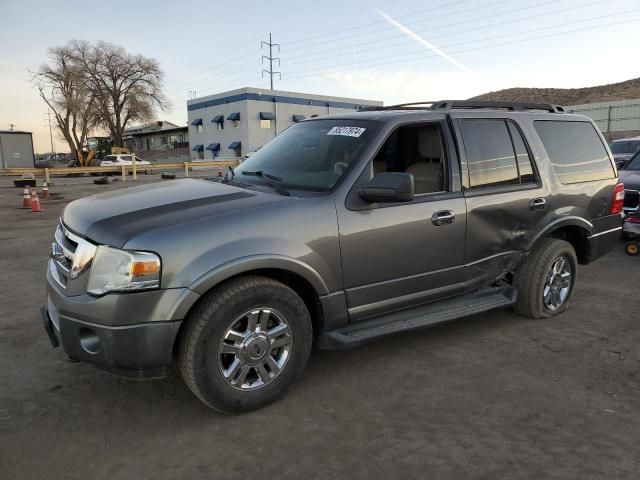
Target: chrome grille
(70, 256)
(631, 199)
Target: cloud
(423, 41)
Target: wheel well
(292, 280)
(577, 237)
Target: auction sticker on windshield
(347, 131)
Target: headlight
(119, 270)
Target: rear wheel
(244, 344)
(545, 280)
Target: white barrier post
(133, 162)
(46, 176)
(124, 173)
(186, 169)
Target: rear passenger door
(505, 197)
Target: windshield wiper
(275, 183)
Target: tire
(532, 275)
(212, 327)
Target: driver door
(400, 255)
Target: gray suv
(342, 230)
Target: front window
(310, 155)
(634, 163)
(624, 147)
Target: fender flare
(257, 262)
(568, 221)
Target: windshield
(624, 147)
(311, 155)
(634, 163)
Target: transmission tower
(271, 59)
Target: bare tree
(62, 85)
(127, 87)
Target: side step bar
(417, 318)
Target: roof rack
(472, 104)
(513, 106)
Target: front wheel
(244, 344)
(545, 279)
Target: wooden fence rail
(123, 169)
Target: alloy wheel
(255, 349)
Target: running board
(417, 318)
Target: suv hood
(115, 217)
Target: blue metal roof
(235, 146)
(298, 118)
(213, 147)
(267, 116)
(196, 122)
(198, 148)
(234, 116)
(218, 119)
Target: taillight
(618, 199)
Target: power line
(479, 40)
(410, 23)
(188, 78)
(448, 25)
(307, 73)
(355, 27)
(271, 59)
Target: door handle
(444, 217)
(537, 204)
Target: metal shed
(16, 149)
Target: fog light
(89, 340)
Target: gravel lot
(493, 396)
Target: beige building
(234, 123)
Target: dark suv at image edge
(341, 230)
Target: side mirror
(388, 187)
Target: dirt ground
(494, 396)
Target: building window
(235, 118)
(237, 148)
(219, 121)
(198, 124)
(265, 119)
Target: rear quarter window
(577, 154)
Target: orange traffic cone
(35, 201)
(45, 190)
(26, 198)
(220, 172)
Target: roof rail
(514, 106)
(470, 104)
(402, 106)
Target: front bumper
(130, 334)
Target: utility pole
(271, 59)
(50, 131)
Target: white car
(119, 160)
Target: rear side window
(496, 153)
(577, 154)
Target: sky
(390, 50)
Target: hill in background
(567, 96)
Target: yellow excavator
(95, 150)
